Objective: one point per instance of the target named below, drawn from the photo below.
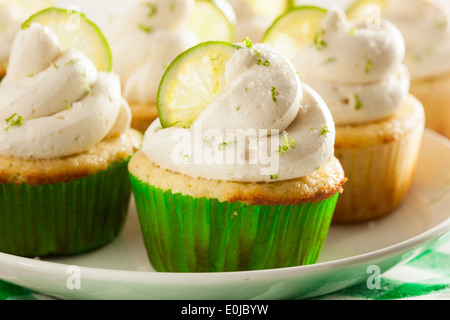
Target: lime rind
(191, 82)
(98, 50)
(294, 29)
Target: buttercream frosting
(265, 125)
(53, 101)
(358, 70)
(425, 27)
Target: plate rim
(184, 279)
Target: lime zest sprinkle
(248, 43)
(289, 143)
(55, 66)
(151, 7)
(223, 145)
(31, 75)
(329, 60)
(274, 177)
(246, 89)
(352, 31)
(369, 66)
(238, 108)
(274, 94)
(144, 28)
(260, 62)
(324, 130)
(72, 62)
(68, 105)
(319, 41)
(14, 121)
(358, 102)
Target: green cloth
(425, 277)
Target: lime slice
(74, 30)
(213, 20)
(269, 8)
(295, 29)
(192, 81)
(30, 6)
(358, 9)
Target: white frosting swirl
(11, 17)
(155, 30)
(65, 106)
(261, 108)
(425, 27)
(357, 70)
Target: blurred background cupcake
(146, 36)
(241, 182)
(360, 74)
(65, 140)
(425, 27)
(12, 14)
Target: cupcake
(251, 183)
(65, 143)
(145, 37)
(358, 71)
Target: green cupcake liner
(186, 234)
(64, 218)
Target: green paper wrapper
(64, 218)
(186, 234)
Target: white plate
(121, 270)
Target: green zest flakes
(358, 102)
(151, 7)
(14, 121)
(319, 41)
(72, 62)
(260, 62)
(248, 43)
(144, 28)
(289, 143)
(274, 94)
(274, 177)
(223, 145)
(369, 65)
(324, 130)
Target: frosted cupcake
(147, 36)
(246, 185)
(65, 142)
(359, 73)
